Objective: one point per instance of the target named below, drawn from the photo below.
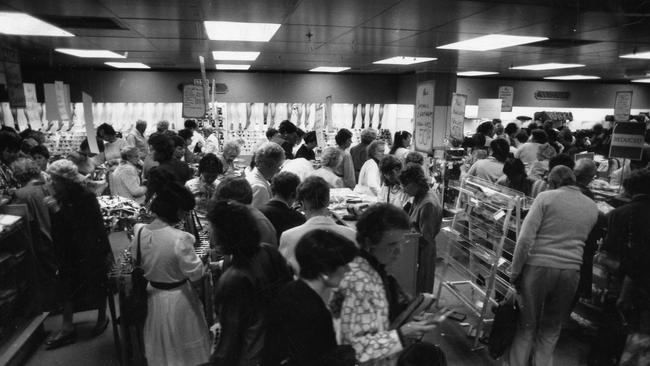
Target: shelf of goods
(21, 315)
(482, 238)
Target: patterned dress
(361, 304)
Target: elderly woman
(426, 217)
(205, 185)
(330, 159)
(369, 176)
(83, 251)
(306, 323)
(391, 190)
(539, 169)
(367, 298)
(175, 331)
(546, 265)
(246, 288)
(124, 181)
(231, 151)
(268, 160)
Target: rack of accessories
(21, 315)
(64, 143)
(482, 237)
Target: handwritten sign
(489, 108)
(506, 94)
(193, 101)
(622, 106)
(457, 120)
(319, 125)
(424, 110)
(59, 93)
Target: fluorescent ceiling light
(645, 55)
(232, 67)
(647, 80)
(573, 77)
(476, 73)
(547, 66)
(22, 24)
(89, 53)
(491, 42)
(329, 69)
(234, 56)
(127, 65)
(235, 31)
(404, 60)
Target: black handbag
(422, 354)
(135, 301)
(504, 327)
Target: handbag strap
(138, 258)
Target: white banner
(59, 92)
(489, 108)
(457, 120)
(424, 111)
(89, 121)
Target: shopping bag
(504, 327)
(135, 302)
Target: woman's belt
(167, 285)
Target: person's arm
(348, 171)
(189, 263)
(527, 237)
(360, 323)
(472, 170)
(374, 180)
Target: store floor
(100, 351)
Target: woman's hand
(417, 329)
(51, 203)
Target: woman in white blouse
(175, 331)
(329, 160)
(369, 176)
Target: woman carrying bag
(175, 331)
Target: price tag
(499, 215)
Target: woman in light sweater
(330, 159)
(124, 181)
(546, 265)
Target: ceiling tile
(267, 11)
(66, 7)
(338, 12)
(167, 28)
(155, 9)
(373, 36)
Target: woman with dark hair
(391, 191)
(205, 185)
(515, 177)
(527, 152)
(83, 251)
(243, 295)
(483, 136)
(345, 170)
(306, 323)
(367, 298)
(164, 149)
(175, 331)
(491, 169)
(112, 146)
(401, 144)
(426, 218)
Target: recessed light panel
(329, 69)
(476, 73)
(234, 56)
(646, 80)
(127, 65)
(232, 67)
(236, 31)
(573, 77)
(89, 53)
(491, 42)
(404, 60)
(643, 55)
(547, 66)
(21, 24)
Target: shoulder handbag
(504, 327)
(422, 354)
(135, 301)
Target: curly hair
(413, 173)
(375, 146)
(342, 136)
(171, 198)
(231, 148)
(235, 229)
(378, 219)
(269, 155)
(388, 163)
(321, 252)
(236, 189)
(25, 169)
(331, 157)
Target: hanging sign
(31, 105)
(622, 106)
(424, 110)
(506, 94)
(91, 134)
(205, 83)
(14, 85)
(328, 111)
(59, 93)
(457, 120)
(627, 140)
(319, 125)
(193, 101)
(489, 108)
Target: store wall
(163, 86)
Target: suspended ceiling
(169, 34)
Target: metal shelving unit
(482, 237)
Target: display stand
(482, 237)
(21, 316)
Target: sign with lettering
(319, 125)
(31, 106)
(627, 140)
(89, 121)
(59, 93)
(622, 106)
(193, 101)
(328, 111)
(457, 120)
(424, 110)
(506, 94)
